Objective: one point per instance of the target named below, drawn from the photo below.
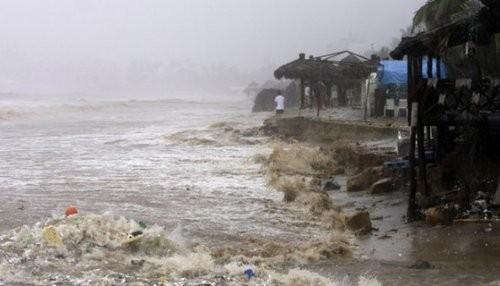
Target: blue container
(249, 273)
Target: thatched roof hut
(311, 69)
(327, 68)
(333, 69)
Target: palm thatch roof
(327, 67)
(308, 69)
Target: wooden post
(440, 128)
(328, 94)
(422, 178)
(412, 208)
(301, 94)
(420, 129)
(318, 101)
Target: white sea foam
(93, 247)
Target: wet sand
(396, 252)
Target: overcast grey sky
(242, 33)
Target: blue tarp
(396, 72)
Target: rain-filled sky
(87, 45)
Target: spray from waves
(93, 249)
(296, 159)
(49, 107)
(262, 252)
(218, 135)
(296, 170)
(192, 138)
(12, 114)
(16, 111)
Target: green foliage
(438, 12)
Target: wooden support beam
(421, 98)
(422, 164)
(411, 213)
(302, 94)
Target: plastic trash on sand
(133, 237)
(249, 273)
(70, 210)
(51, 236)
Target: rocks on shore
(438, 216)
(381, 186)
(359, 223)
(331, 186)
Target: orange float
(71, 210)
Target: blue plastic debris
(249, 273)
(396, 164)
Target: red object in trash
(71, 210)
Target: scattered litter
(71, 210)
(391, 166)
(143, 225)
(133, 237)
(249, 273)
(51, 236)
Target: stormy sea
(167, 192)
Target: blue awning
(396, 72)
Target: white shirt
(280, 102)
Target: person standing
(307, 96)
(280, 103)
(321, 95)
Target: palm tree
(435, 13)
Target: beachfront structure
(385, 92)
(455, 122)
(345, 70)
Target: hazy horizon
(169, 46)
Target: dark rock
(420, 264)
(137, 262)
(331, 186)
(381, 186)
(359, 223)
(438, 216)
(339, 171)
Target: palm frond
(435, 13)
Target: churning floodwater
(158, 161)
(182, 172)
